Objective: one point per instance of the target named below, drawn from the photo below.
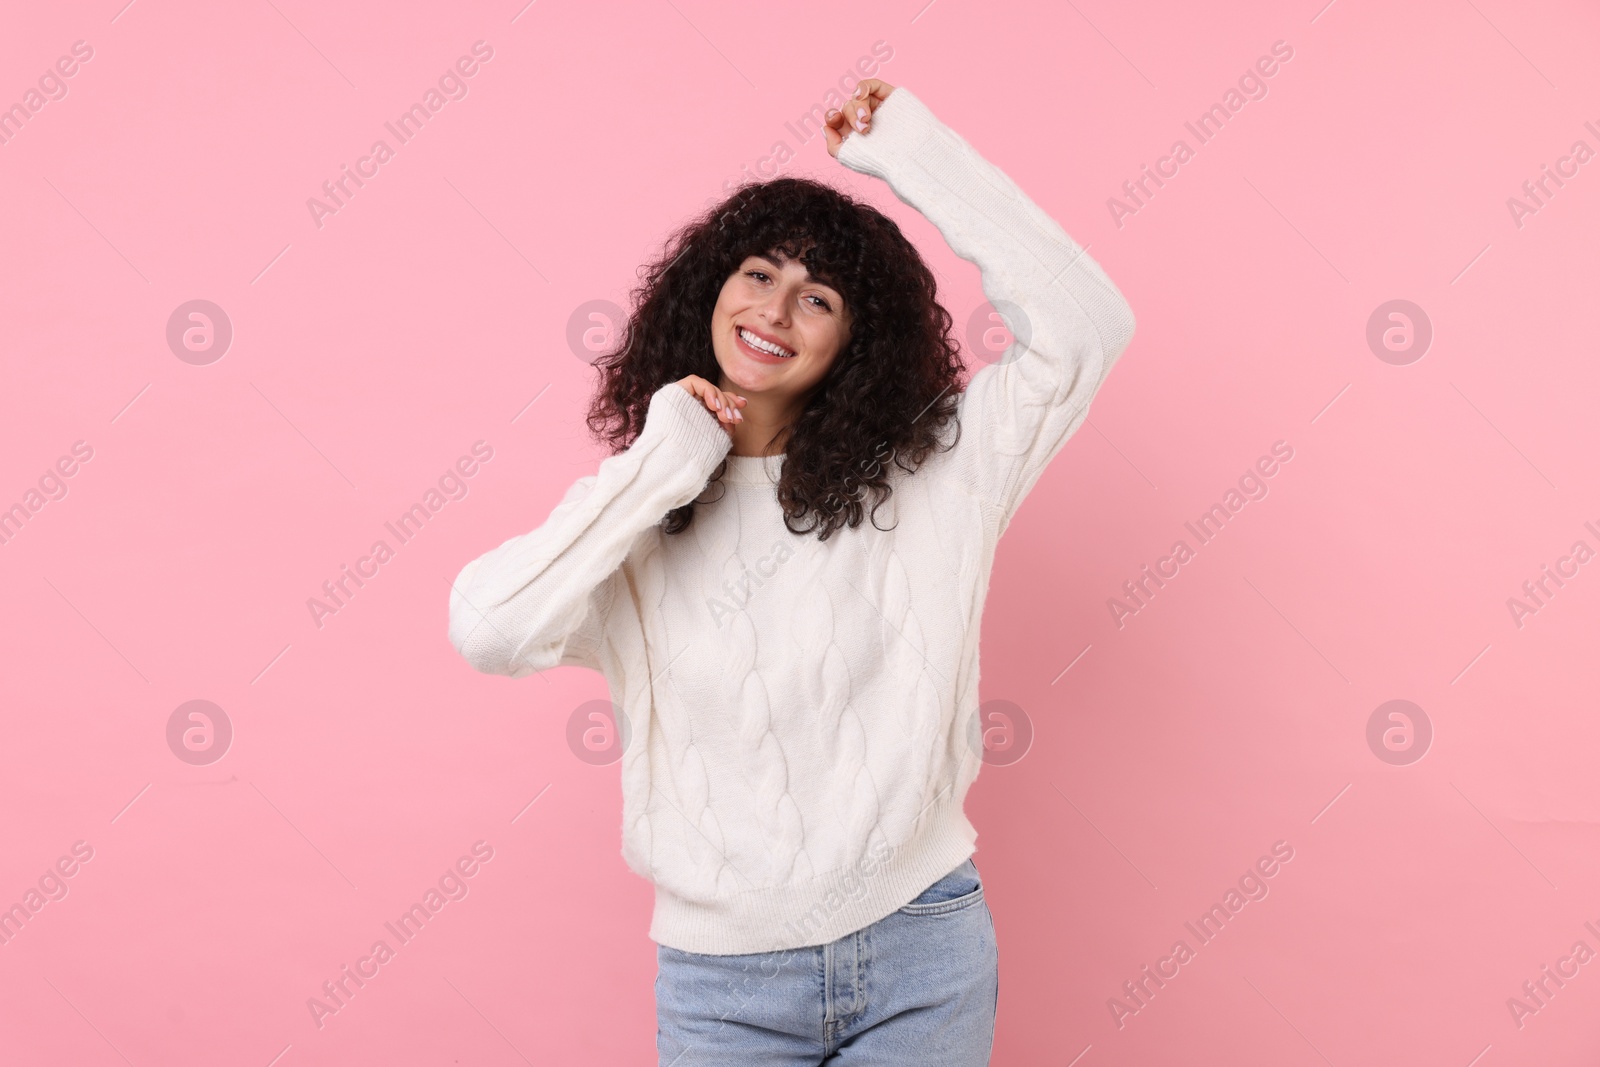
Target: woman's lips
(755, 353)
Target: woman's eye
(762, 275)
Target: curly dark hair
(888, 394)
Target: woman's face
(779, 302)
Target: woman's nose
(776, 310)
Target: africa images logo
(451, 886)
(452, 85)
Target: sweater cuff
(900, 126)
(680, 423)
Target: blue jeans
(920, 986)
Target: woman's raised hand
(721, 403)
(856, 115)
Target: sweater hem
(823, 909)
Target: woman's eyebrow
(779, 264)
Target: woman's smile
(762, 350)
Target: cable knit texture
(802, 713)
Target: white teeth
(755, 342)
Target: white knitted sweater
(801, 716)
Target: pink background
(372, 352)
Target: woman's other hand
(856, 117)
(721, 403)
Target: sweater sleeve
(540, 599)
(1070, 322)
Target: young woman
(780, 571)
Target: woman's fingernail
(739, 415)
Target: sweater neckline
(753, 470)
